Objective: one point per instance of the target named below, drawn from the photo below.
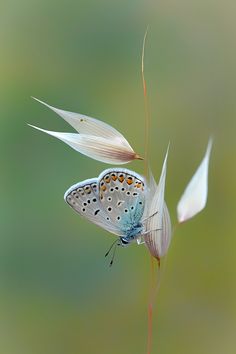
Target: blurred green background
(57, 293)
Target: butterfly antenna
(110, 248)
(113, 256)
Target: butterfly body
(114, 201)
(132, 234)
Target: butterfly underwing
(114, 201)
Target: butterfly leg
(113, 246)
(150, 216)
(147, 232)
(140, 239)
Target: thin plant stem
(146, 173)
(154, 289)
(147, 112)
(150, 306)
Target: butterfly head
(123, 241)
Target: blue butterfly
(115, 201)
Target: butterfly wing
(84, 198)
(122, 195)
(114, 201)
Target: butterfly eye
(124, 241)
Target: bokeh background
(57, 293)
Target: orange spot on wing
(87, 190)
(121, 178)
